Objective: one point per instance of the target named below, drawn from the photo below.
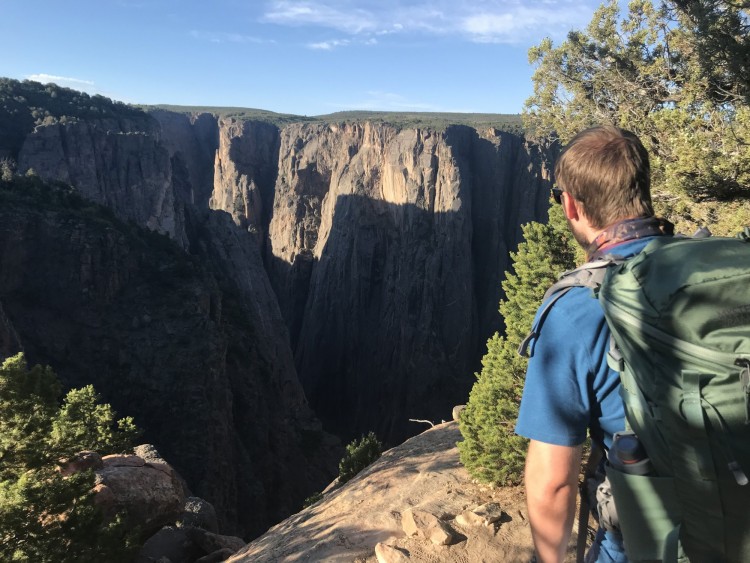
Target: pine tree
(359, 454)
(44, 515)
(676, 74)
(490, 450)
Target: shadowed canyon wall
(386, 248)
(359, 259)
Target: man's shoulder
(630, 248)
(578, 299)
(576, 309)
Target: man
(604, 188)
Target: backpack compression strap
(590, 275)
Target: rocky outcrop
(192, 142)
(406, 506)
(117, 164)
(187, 544)
(245, 170)
(149, 494)
(386, 249)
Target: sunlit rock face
(120, 164)
(386, 248)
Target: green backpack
(679, 313)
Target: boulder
(188, 545)
(199, 514)
(216, 556)
(151, 455)
(171, 543)
(483, 515)
(122, 460)
(150, 495)
(457, 410)
(148, 453)
(210, 542)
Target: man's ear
(570, 208)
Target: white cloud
(60, 80)
(344, 19)
(521, 23)
(485, 21)
(221, 37)
(329, 45)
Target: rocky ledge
(416, 503)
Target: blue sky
(307, 57)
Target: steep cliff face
(245, 172)
(118, 164)
(363, 260)
(192, 143)
(167, 341)
(386, 249)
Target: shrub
(359, 454)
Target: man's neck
(625, 230)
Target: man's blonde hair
(607, 170)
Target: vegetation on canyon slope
(45, 515)
(26, 104)
(436, 121)
(678, 75)
(490, 450)
(359, 454)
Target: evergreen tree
(676, 74)
(359, 454)
(490, 450)
(44, 515)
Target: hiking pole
(595, 456)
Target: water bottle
(628, 455)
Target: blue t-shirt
(569, 387)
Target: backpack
(679, 315)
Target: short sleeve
(556, 403)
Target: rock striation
(172, 344)
(356, 266)
(386, 248)
(118, 164)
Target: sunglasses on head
(557, 195)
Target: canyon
(263, 292)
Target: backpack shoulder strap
(590, 274)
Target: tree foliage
(490, 449)
(359, 454)
(26, 104)
(44, 515)
(675, 73)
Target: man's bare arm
(551, 487)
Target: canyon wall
(361, 259)
(386, 248)
(167, 338)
